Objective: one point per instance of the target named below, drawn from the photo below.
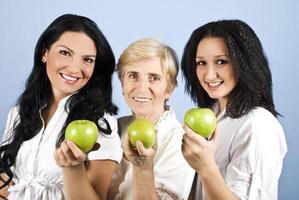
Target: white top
(173, 175)
(36, 175)
(250, 154)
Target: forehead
(151, 66)
(212, 46)
(77, 41)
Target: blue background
(275, 22)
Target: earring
(166, 106)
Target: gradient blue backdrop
(275, 22)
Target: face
(70, 63)
(145, 88)
(214, 68)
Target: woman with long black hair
(70, 80)
(225, 68)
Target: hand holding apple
(83, 133)
(142, 130)
(201, 120)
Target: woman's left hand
(197, 150)
(141, 157)
(69, 155)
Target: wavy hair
(250, 65)
(90, 102)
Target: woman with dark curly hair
(225, 68)
(70, 80)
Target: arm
(83, 181)
(143, 170)
(199, 153)
(4, 191)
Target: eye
(133, 76)
(200, 63)
(64, 53)
(221, 62)
(154, 77)
(89, 60)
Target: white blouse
(249, 155)
(173, 175)
(36, 175)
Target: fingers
(68, 154)
(192, 136)
(75, 151)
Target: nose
(76, 64)
(211, 72)
(142, 84)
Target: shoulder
(260, 119)
(261, 128)
(124, 120)
(123, 123)
(12, 119)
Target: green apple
(142, 130)
(201, 120)
(83, 133)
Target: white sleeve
(256, 160)
(110, 145)
(8, 131)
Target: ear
(45, 56)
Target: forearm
(144, 184)
(77, 185)
(214, 185)
(4, 191)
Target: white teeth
(141, 99)
(69, 78)
(214, 84)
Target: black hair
(90, 102)
(249, 62)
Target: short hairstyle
(146, 49)
(250, 65)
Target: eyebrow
(155, 74)
(74, 52)
(217, 56)
(151, 74)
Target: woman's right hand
(198, 151)
(141, 157)
(69, 155)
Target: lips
(69, 79)
(142, 99)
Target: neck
(154, 116)
(222, 105)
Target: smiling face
(214, 69)
(145, 88)
(70, 63)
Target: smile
(142, 99)
(69, 79)
(214, 85)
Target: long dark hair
(90, 102)
(250, 64)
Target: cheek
(88, 72)
(126, 87)
(200, 78)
